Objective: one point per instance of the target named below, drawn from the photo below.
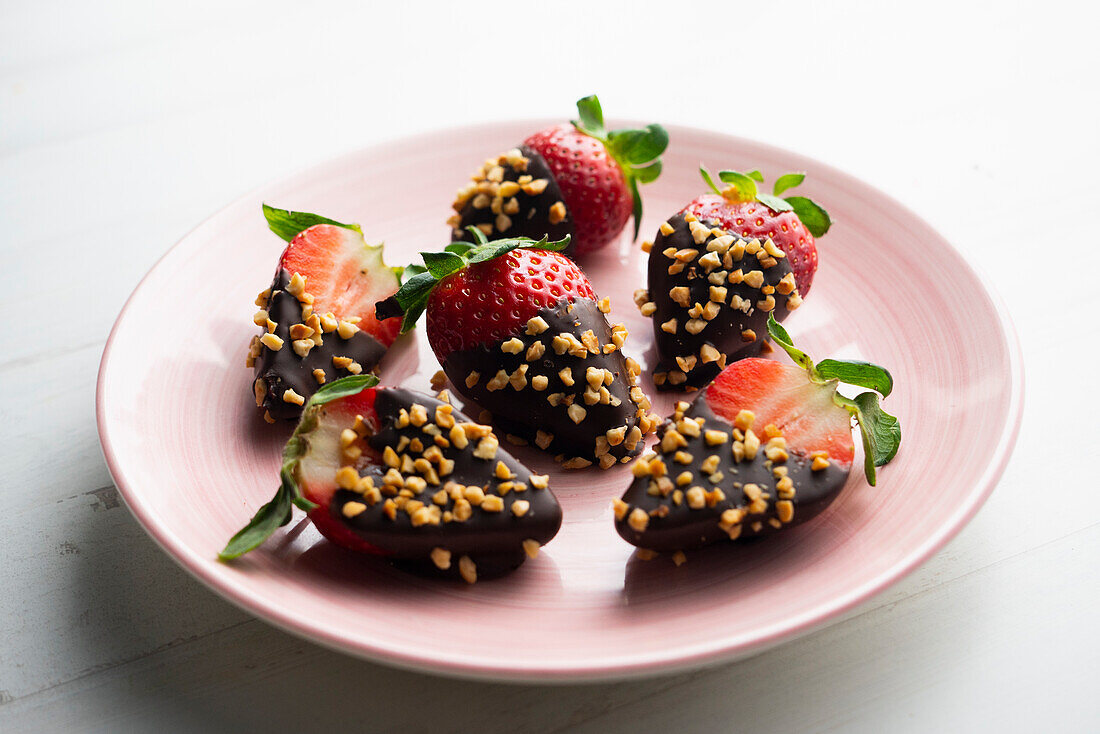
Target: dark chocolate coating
(525, 412)
(683, 528)
(533, 218)
(284, 369)
(493, 540)
(724, 331)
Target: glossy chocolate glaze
(532, 219)
(278, 371)
(683, 528)
(527, 411)
(493, 540)
(724, 332)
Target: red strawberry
(369, 466)
(766, 446)
(518, 330)
(791, 223)
(579, 180)
(318, 316)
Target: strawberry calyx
(277, 512)
(881, 432)
(412, 298)
(742, 187)
(638, 152)
(288, 224)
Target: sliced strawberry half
(391, 472)
(765, 447)
(318, 316)
(780, 395)
(345, 275)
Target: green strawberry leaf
(880, 431)
(863, 374)
(442, 264)
(773, 202)
(408, 271)
(709, 181)
(342, 388)
(648, 174)
(412, 297)
(277, 512)
(288, 224)
(636, 202)
(780, 336)
(266, 521)
(812, 215)
(591, 114)
(787, 181)
(636, 147)
(746, 187)
(756, 176)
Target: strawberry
(318, 315)
(710, 295)
(395, 473)
(578, 180)
(518, 330)
(791, 223)
(765, 447)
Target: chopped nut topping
(537, 325)
(289, 396)
(667, 229)
(467, 569)
(557, 212)
(272, 342)
(638, 520)
(669, 327)
(351, 509)
(520, 507)
(576, 413)
(784, 508)
(694, 326)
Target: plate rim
(649, 665)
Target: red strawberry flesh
(782, 395)
(345, 276)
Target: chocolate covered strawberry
(399, 474)
(318, 316)
(791, 222)
(716, 274)
(765, 447)
(520, 331)
(578, 180)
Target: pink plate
(194, 460)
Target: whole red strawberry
(792, 222)
(519, 330)
(578, 180)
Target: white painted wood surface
(123, 124)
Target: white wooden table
(124, 124)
